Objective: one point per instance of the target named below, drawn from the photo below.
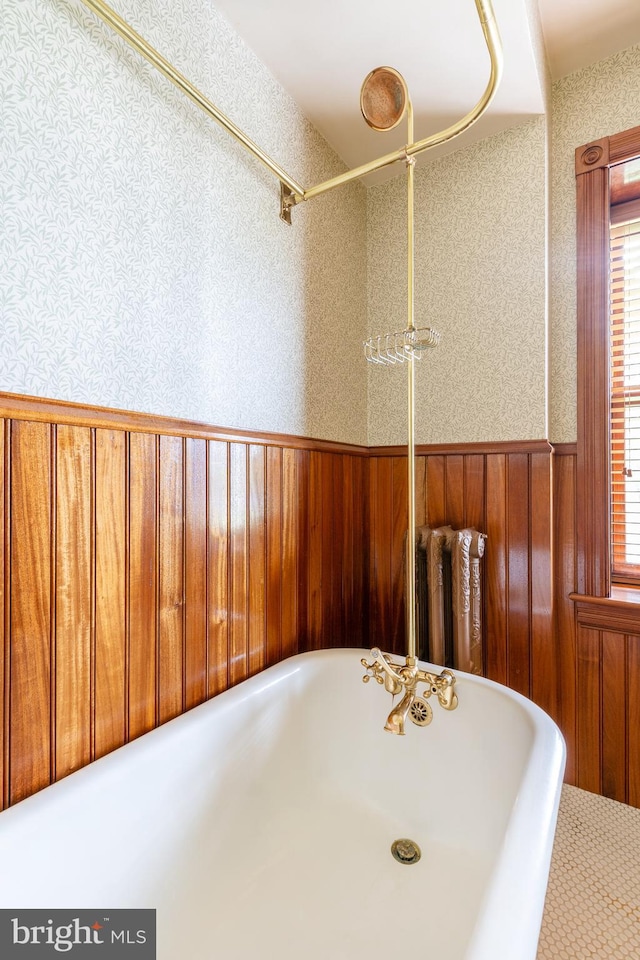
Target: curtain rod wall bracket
(287, 202)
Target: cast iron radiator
(449, 602)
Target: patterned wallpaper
(144, 263)
(145, 267)
(480, 280)
(595, 102)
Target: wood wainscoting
(599, 660)
(504, 490)
(151, 563)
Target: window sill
(619, 612)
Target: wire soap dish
(400, 346)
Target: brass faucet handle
(384, 670)
(442, 684)
(374, 671)
(385, 663)
(447, 697)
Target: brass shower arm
(291, 192)
(494, 46)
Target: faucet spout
(397, 717)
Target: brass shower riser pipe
(294, 193)
(411, 408)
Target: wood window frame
(592, 167)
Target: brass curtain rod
(291, 191)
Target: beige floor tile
(592, 910)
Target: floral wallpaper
(144, 263)
(480, 280)
(145, 266)
(598, 101)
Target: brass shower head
(383, 98)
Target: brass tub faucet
(399, 677)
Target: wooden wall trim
(20, 407)
(624, 145)
(478, 449)
(592, 156)
(593, 381)
(39, 409)
(593, 465)
(605, 613)
(565, 449)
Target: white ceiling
(580, 32)
(321, 52)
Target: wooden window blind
(625, 390)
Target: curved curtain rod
(292, 192)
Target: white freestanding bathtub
(259, 824)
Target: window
(624, 338)
(608, 285)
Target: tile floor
(592, 910)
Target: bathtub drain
(405, 851)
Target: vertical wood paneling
(338, 541)
(32, 533)
(633, 719)
(143, 588)
(421, 499)
(455, 496)
(518, 559)
(274, 501)
(435, 491)
(361, 510)
(493, 492)
(218, 538)
(474, 502)
(195, 572)
(238, 563)
(301, 499)
(170, 578)
(4, 626)
(290, 582)
(614, 715)
(373, 579)
(589, 716)
(544, 660)
(260, 654)
(212, 558)
(74, 599)
(110, 700)
(564, 582)
(495, 563)
(347, 536)
(381, 570)
(598, 665)
(327, 599)
(316, 568)
(397, 509)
